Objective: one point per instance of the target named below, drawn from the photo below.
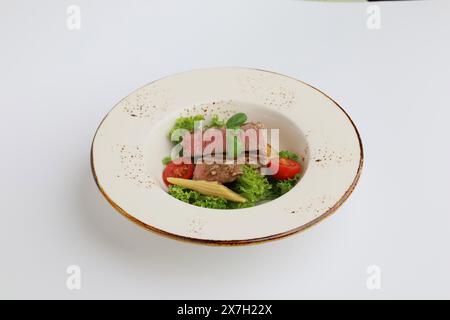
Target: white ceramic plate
(132, 140)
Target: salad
(226, 164)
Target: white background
(56, 86)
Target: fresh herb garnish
(216, 122)
(236, 120)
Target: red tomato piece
(178, 170)
(287, 169)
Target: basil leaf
(236, 120)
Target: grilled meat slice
(249, 131)
(222, 173)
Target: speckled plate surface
(132, 139)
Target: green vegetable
(282, 186)
(187, 123)
(166, 160)
(236, 120)
(183, 194)
(216, 122)
(289, 155)
(252, 185)
(211, 202)
(234, 146)
(239, 205)
(197, 199)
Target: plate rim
(259, 240)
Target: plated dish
(242, 190)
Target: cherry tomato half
(287, 169)
(178, 170)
